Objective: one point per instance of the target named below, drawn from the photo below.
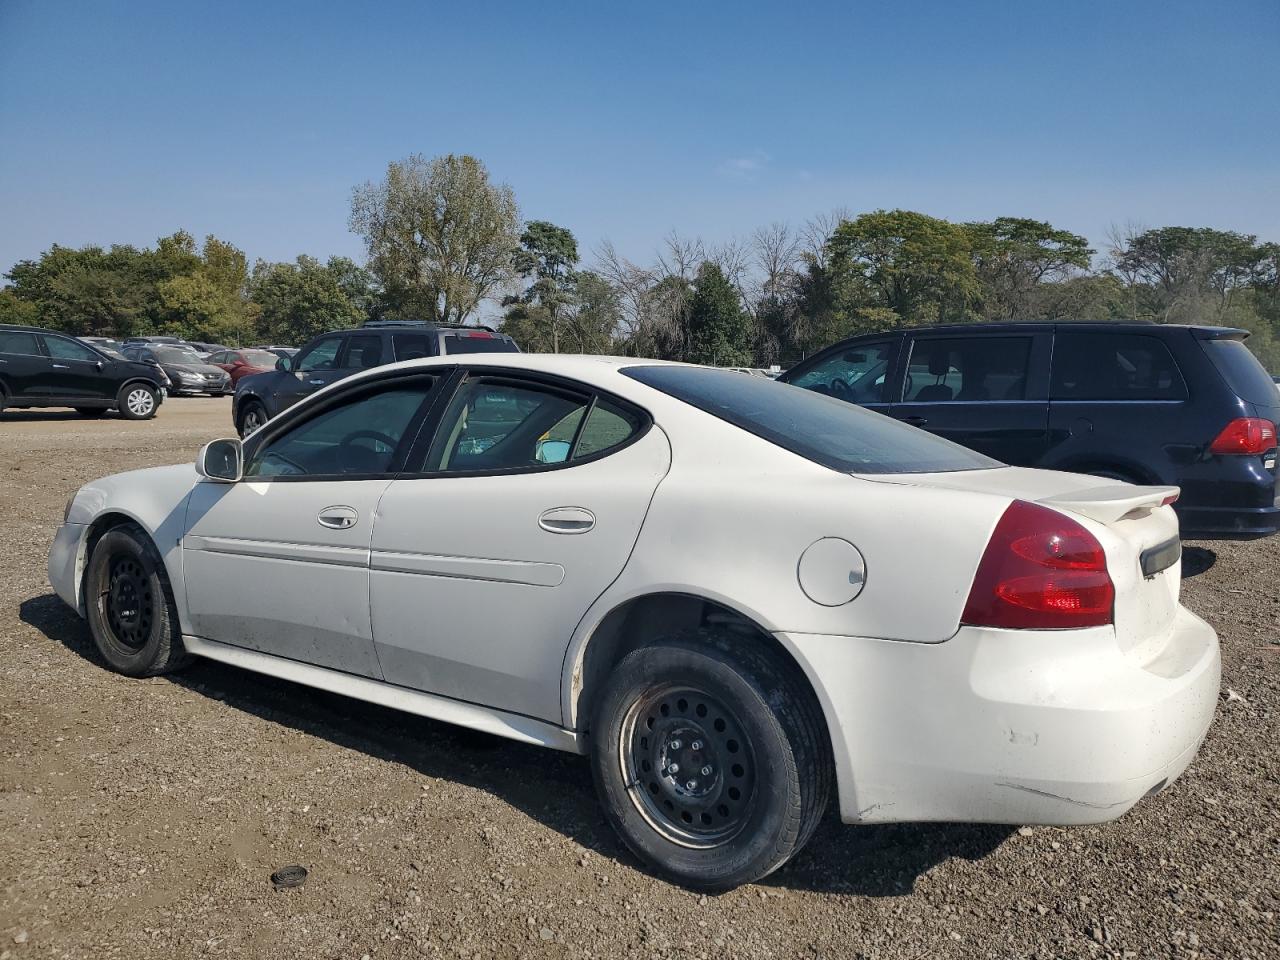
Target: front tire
(130, 606)
(253, 416)
(137, 401)
(711, 758)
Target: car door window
(1110, 366)
(64, 349)
(499, 424)
(363, 352)
(967, 369)
(607, 426)
(363, 436)
(23, 344)
(858, 374)
(411, 346)
(321, 356)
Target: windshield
(176, 355)
(831, 432)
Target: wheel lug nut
(691, 785)
(673, 769)
(696, 745)
(706, 771)
(676, 744)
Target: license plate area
(1160, 557)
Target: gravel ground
(143, 818)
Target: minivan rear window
(1114, 366)
(1243, 371)
(827, 431)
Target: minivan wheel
(253, 416)
(137, 401)
(130, 606)
(710, 758)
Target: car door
(315, 366)
(24, 369)
(279, 562)
(985, 391)
(860, 373)
(522, 510)
(75, 371)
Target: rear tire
(711, 758)
(137, 401)
(130, 605)
(253, 416)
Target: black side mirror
(284, 365)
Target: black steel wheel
(711, 757)
(129, 605)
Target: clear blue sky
(121, 122)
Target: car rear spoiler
(1219, 333)
(1108, 504)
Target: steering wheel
(840, 390)
(345, 449)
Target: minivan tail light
(1041, 571)
(1245, 435)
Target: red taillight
(1041, 571)
(1245, 435)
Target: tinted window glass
(363, 352)
(476, 343)
(1113, 366)
(1242, 371)
(858, 374)
(323, 356)
(495, 424)
(827, 431)
(607, 426)
(412, 346)
(359, 437)
(12, 341)
(65, 349)
(970, 368)
(176, 355)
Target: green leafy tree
(301, 299)
(1186, 274)
(1014, 256)
(440, 236)
(719, 329)
(919, 267)
(539, 315)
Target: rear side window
(1243, 371)
(14, 341)
(1114, 366)
(479, 342)
(363, 352)
(967, 369)
(412, 346)
(607, 426)
(827, 431)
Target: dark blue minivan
(1140, 402)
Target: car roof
(1027, 326)
(25, 329)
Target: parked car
(1144, 403)
(107, 345)
(333, 356)
(207, 349)
(183, 366)
(44, 368)
(243, 363)
(734, 595)
(279, 351)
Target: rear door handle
(316, 383)
(916, 421)
(61, 366)
(338, 517)
(567, 520)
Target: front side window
(838, 435)
(967, 369)
(497, 424)
(322, 356)
(14, 341)
(363, 352)
(64, 349)
(858, 374)
(1114, 366)
(363, 436)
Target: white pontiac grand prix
(735, 595)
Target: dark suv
(332, 356)
(44, 368)
(1144, 403)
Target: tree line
(444, 242)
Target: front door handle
(567, 520)
(61, 366)
(916, 421)
(338, 517)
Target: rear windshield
(1242, 371)
(477, 343)
(819, 428)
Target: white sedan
(737, 596)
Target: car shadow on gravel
(1196, 560)
(552, 787)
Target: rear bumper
(1051, 727)
(1228, 523)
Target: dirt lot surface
(143, 818)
